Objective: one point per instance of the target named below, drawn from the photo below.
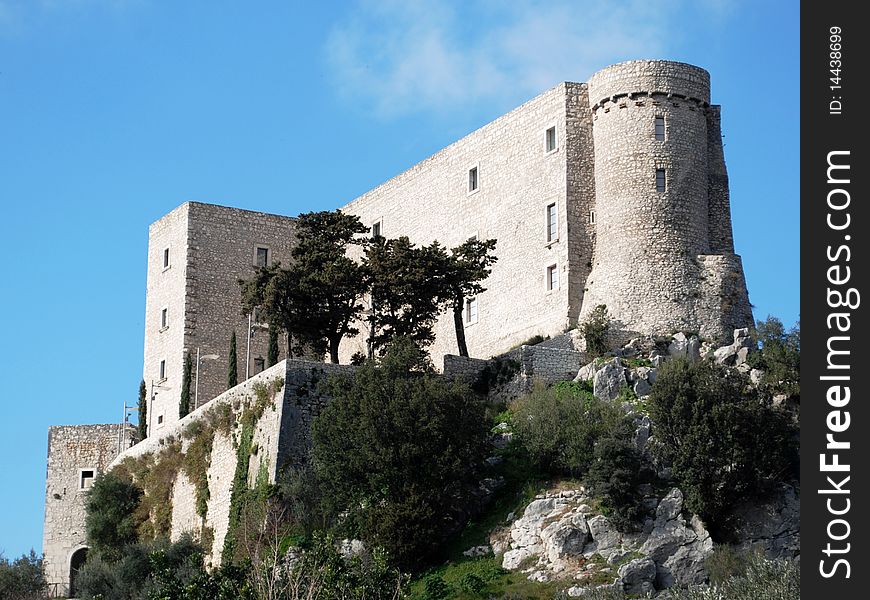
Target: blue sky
(113, 112)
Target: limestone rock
(772, 525)
(586, 372)
(678, 346)
(637, 576)
(693, 349)
(642, 387)
(609, 379)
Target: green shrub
(22, 579)
(779, 358)
(142, 571)
(615, 475)
(726, 562)
(594, 330)
(763, 579)
(397, 450)
(723, 443)
(111, 520)
(558, 426)
(324, 573)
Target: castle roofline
(447, 149)
(223, 207)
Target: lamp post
(200, 359)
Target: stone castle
(609, 192)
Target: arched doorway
(76, 562)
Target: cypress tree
(143, 411)
(272, 355)
(184, 403)
(233, 373)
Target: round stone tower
(660, 198)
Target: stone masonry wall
(647, 240)
(518, 179)
(166, 289)
(281, 437)
(72, 449)
(212, 248)
(222, 467)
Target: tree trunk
(458, 306)
(333, 350)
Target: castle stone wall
(518, 178)
(648, 240)
(71, 450)
(212, 247)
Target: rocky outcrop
(609, 379)
(560, 537)
(772, 526)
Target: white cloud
(400, 57)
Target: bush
(768, 579)
(111, 519)
(151, 570)
(558, 426)
(615, 475)
(22, 579)
(723, 443)
(594, 331)
(779, 358)
(324, 573)
(397, 450)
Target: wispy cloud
(406, 56)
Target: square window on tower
(660, 181)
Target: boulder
(678, 550)
(609, 379)
(607, 539)
(726, 355)
(476, 551)
(693, 349)
(637, 576)
(679, 345)
(642, 387)
(586, 372)
(565, 537)
(772, 526)
(641, 434)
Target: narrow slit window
(473, 180)
(552, 278)
(164, 318)
(166, 258)
(550, 139)
(660, 129)
(552, 223)
(262, 257)
(471, 310)
(163, 369)
(660, 181)
(592, 217)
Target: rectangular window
(550, 139)
(262, 257)
(552, 223)
(376, 229)
(660, 129)
(660, 181)
(259, 364)
(473, 182)
(86, 478)
(166, 258)
(163, 369)
(592, 217)
(164, 318)
(471, 310)
(552, 278)
(160, 420)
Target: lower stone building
(77, 454)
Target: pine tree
(233, 373)
(143, 411)
(184, 403)
(272, 355)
